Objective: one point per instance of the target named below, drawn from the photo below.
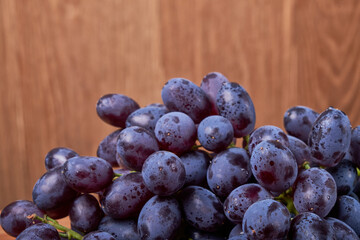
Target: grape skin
(39, 231)
(347, 209)
(56, 157)
(97, 235)
(300, 150)
(345, 176)
(355, 145)
(146, 117)
(342, 230)
(125, 229)
(107, 148)
(196, 164)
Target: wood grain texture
(58, 57)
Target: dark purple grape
(300, 150)
(87, 174)
(59, 212)
(267, 132)
(235, 104)
(51, 191)
(228, 170)
(196, 164)
(134, 145)
(298, 121)
(120, 229)
(98, 235)
(160, 218)
(355, 146)
(347, 209)
(266, 219)
(39, 231)
(274, 166)
(202, 209)
(56, 157)
(342, 230)
(175, 132)
(345, 176)
(330, 137)
(211, 84)
(181, 95)
(241, 198)
(107, 148)
(215, 133)
(125, 196)
(163, 173)
(146, 117)
(14, 217)
(236, 231)
(308, 225)
(315, 191)
(115, 108)
(85, 213)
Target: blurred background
(58, 57)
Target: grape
(125, 196)
(267, 132)
(107, 148)
(330, 137)
(308, 225)
(347, 209)
(59, 212)
(146, 117)
(98, 235)
(228, 170)
(196, 164)
(266, 219)
(115, 108)
(342, 230)
(300, 150)
(236, 231)
(181, 95)
(87, 174)
(14, 217)
(39, 231)
(163, 173)
(274, 166)
(202, 209)
(120, 229)
(134, 145)
(315, 191)
(298, 121)
(235, 104)
(355, 145)
(58, 156)
(196, 234)
(51, 191)
(241, 198)
(85, 213)
(345, 176)
(160, 218)
(215, 133)
(175, 132)
(211, 84)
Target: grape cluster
(174, 170)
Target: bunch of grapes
(175, 171)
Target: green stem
(358, 172)
(286, 198)
(65, 232)
(306, 165)
(117, 175)
(246, 142)
(196, 147)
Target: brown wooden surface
(58, 57)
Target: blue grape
(134, 145)
(56, 157)
(274, 166)
(330, 137)
(266, 219)
(347, 209)
(215, 133)
(355, 145)
(107, 148)
(163, 173)
(342, 230)
(211, 84)
(39, 231)
(298, 121)
(115, 108)
(236, 231)
(181, 95)
(202, 209)
(300, 150)
(196, 164)
(160, 218)
(146, 117)
(241, 198)
(98, 235)
(315, 191)
(87, 174)
(228, 170)
(345, 176)
(125, 229)
(234, 103)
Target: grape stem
(246, 142)
(286, 198)
(196, 147)
(117, 175)
(65, 232)
(306, 165)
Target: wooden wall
(58, 57)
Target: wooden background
(58, 57)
